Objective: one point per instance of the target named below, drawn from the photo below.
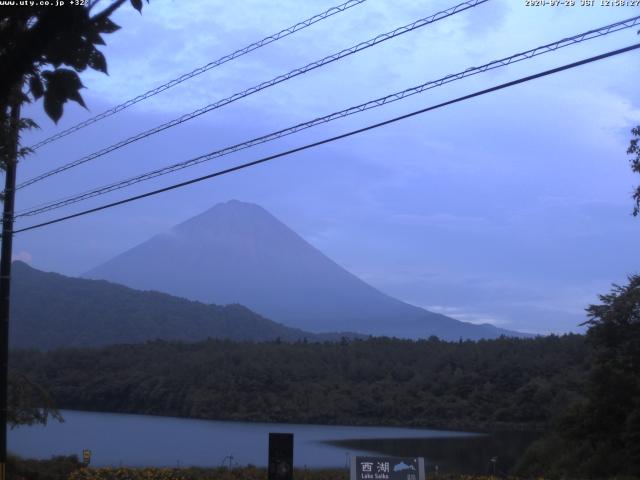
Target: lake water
(140, 440)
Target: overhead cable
(205, 68)
(337, 137)
(293, 73)
(551, 47)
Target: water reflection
(139, 440)
(466, 454)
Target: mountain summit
(238, 252)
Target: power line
(293, 73)
(337, 137)
(216, 63)
(551, 47)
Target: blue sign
(387, 468)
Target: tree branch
(108, 11)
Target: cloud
(465, 315)
(442, 220)
(512, 206)
(22, 256)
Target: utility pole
(11, 164)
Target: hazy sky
(513, 208)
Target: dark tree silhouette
(42, 50)
(634, 149)
(600, 436)
(28, 402)
(614, 389)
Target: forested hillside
(492, 384)
(51, 311)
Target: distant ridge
(237, 252)
(50, 311)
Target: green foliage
(194, 473)
(634, 149)
(36, 42)
(61, 85)
(600, 436)
(80, 312)
(6, 140)
(68, 468)
(27, 402)
(36, 37)
(494, 384)
(33, 38)
(57, 468)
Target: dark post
(280, 456)
(5, 273)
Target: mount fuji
(238, 253)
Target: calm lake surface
(140, 440)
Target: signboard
(387, 468)
(86, 457)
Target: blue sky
(513, 208)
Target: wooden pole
(11, 164)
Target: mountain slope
(237, 252)
(49, 310)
